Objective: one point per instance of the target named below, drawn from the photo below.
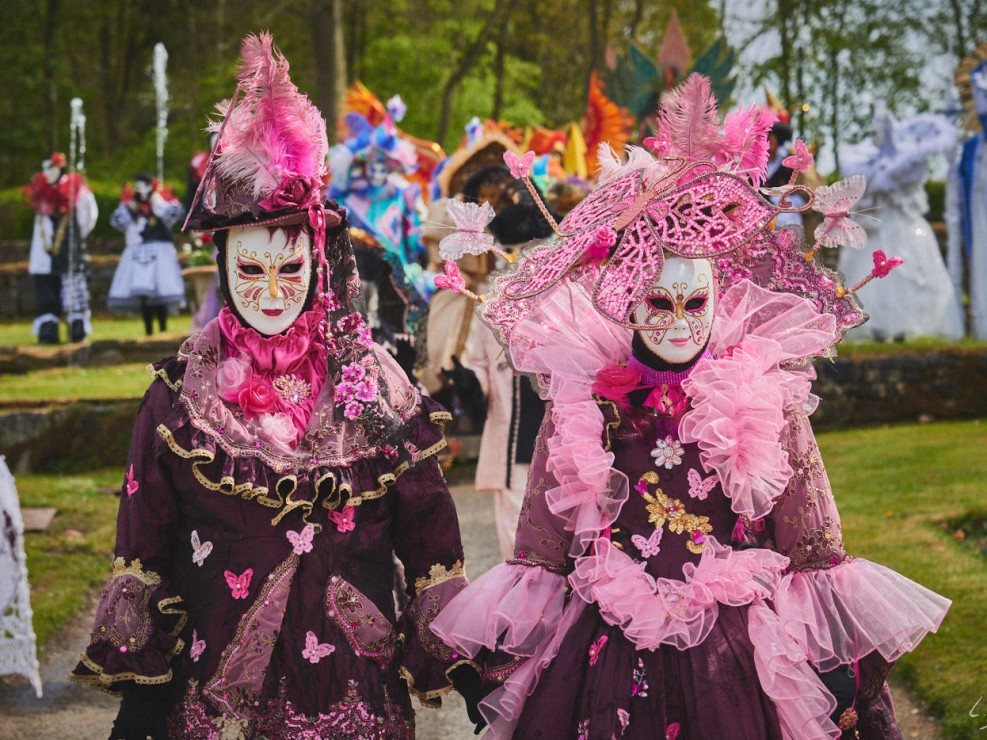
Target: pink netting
(510, 607)
(739, 398)
(803, 702)
(653, 612)
(843, 613)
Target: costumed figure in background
(208, 300)
(148, 278)
(276, 464)
(777, 174)
(679, 570)
(65, 214)
(368, 178)
(920, 301)
(967, 196)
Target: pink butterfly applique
(884, 264)
(198, 647)
(801, 158)
(200, 550)
(471, 219)
(595, 648)
(834, 203)
(132, 485)
(314, 650)
(519, 166)
(672, 731)
(624, 717)
(700, 487)
(239, 584)
(648, 546)
(301, 542)
(344, 520)
(452, 280)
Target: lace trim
(437, 574)
(286, 485)
(369, 633)
(611, 426)
(161, 375)
(534, 560)
(136, 569)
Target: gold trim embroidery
(662, 509)
(433, 699)
(611, 426)
(437, 574)
(163, 377)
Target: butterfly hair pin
(472, 237)
(453, 280)
(799, 161)
(520, 168)
(883, 265)
(834, 203)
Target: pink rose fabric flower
(614, 382)
(231, 375)
(257, 397)
(353, 409)
(279, 429)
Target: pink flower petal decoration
(452, 280)
(884, 264)
(801, 159)
(519, 166)
(132, 485)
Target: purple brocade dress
(600, 685)
(260, 623)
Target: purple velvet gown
(260, 625)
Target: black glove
(143, 714)
(842, 686)
(467, 682)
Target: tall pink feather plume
(688, 116)
(746, 141)
(273, 131)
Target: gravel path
(71, 711)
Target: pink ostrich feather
(746, 141)
(689, 118)
(272, 132)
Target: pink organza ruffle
(760, 343)
(653, 612)
(802, 700)
(843, 613)
(565, 343)
(510, 607)
(502, 708)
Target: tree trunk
(330, 59)
(48, 67)
(471, 55)
(960, 35)
(498, 101)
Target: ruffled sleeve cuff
(426, 660)
(135, 634)
(846, 612)
(510, 608)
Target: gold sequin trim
(663, 510)
(437, 574)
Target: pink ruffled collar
(278, 354)
(657, 378)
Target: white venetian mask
(269, 273)
(680, 308)
(51, 172)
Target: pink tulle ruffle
(510, 607)
(761, 342)
(802, 700)
(653, 612)
(845, 612)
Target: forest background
(521, 61)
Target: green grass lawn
(104, 327)
(68, 563)
(922, 344)
(77, 383)
(896, 487)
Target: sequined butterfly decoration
(471, 219)
(301, 542)
(314, 650)
(649, 546)
(344, 520)
(596, 648)
(700, 487)
(834, 203)
(198, 647)
(200, 550)
(132, 485)
(239, 584)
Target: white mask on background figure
(50, 171)
(268, 273)
(680, 308)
